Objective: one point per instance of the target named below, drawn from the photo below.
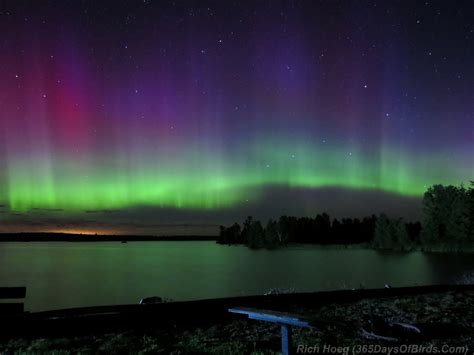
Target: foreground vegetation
(242, 336)
(448, 224)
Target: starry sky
(140, 116)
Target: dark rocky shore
(452, 311)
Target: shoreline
(81, 238)
(77, 238)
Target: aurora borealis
(209, 105)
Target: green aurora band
(203, 179)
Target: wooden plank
(274, 317)
(286, 320)
(11, 308)
(12, 292)
(286, 343)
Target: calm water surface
(62, 274)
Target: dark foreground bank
(207, 327)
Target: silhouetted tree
(336, 231)
(414, 231)
(361, 233)
(272, 235)
(255, 235)
(245, 235)
(288, 229)
(367, 229)
(449, 219)
(346, 230)
(322, 226)
(390, 234)
(446, 216)
(383, 235)
(284, 228)
(305, 230)
(470, 197)
(230, 235)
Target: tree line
(448, 223)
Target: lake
(65, 274)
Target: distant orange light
(80, 231)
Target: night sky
(139, 116)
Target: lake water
(62, 274)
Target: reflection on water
(62, 274)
